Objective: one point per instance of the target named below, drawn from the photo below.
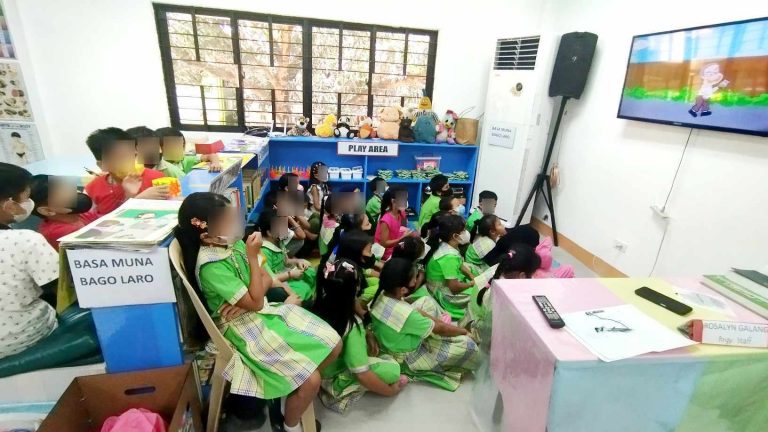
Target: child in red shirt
(115, 153)
(62, 208)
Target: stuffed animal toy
(410, 113)
(300, 127)
(446, 131)
(343, 129)
(389, 122)
(544, 251)
(425, 108)
(366, 128)
(325, 129)
(406, 133)
(425, 129)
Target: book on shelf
(138, 224)
(744, 291)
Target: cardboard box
(88, 401)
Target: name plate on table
(744, 334)
(104, 277)
(373, 148)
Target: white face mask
(464, 237)
(235, 236)
(27, 206)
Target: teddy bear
(343, 129)
(389, 122)
(446, 131)
(300, 127)
(366, 128)
(406, 133)
(325, 129)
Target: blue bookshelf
(303, 151)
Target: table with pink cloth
(549, 381)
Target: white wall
(97, 62)
(613, 170)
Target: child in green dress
(297, 273)
(439, 188)
(518, 261)
(485, 233)
(347, 379)
(448, 278)
(172, 143)
(280, 349)
(427, 349)
(356, 245)
(487, 206)
(373, 208)
(413, 250)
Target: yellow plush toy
(325, 129)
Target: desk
(550, 381)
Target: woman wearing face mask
(29, 267)
(390, 229)
(295, 272)
(281, 348)
(62, 208)
(448, 278)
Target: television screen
(713, 77)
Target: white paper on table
(597, 330)
(482, 279)
(711, 302)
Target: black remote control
(549, 312)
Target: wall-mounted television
(709, 77)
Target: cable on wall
(666, 201)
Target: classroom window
(231, 70)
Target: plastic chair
(225, 351)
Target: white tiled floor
(420, 407)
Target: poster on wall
(6, 47)
(20, 143)
(14, 104)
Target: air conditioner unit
(516, 122)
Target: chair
(225, 351)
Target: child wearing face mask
(115, 153)
(487, 206)
(354, 372)
(281, 349)
(427, 349)
(373, 207)
(448, 278)
(439, 188)
(356, 246)
(391, 229)
(296, 273)
(172, 144)
(62, 208)
(486, 232)
(519, 261)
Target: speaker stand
(542, 183)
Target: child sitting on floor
(318, 185)
(373, 208)
(485, 234)
(115, 153)
(448, 279)
(346, 379)
(297, 273)
(519, 262)
(439, 188)
(280, 349)
(487, 206)
(427, 349)
(391, 228)
(62, 208)
(172, 143)
(329, 223)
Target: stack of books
(137, 225)
(748, 288)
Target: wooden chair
(225, 351)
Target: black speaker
(574, 58)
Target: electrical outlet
(620, 245)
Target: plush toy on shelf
(300, 127)
(410, 113)
(343, 129)
(406, 133)
(325, 129)
(425, 109)
(389, 122)
(366, 128)
(446, 130)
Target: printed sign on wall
(20, 144)
(502, 134)
(373, 148)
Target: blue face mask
(461, 209)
